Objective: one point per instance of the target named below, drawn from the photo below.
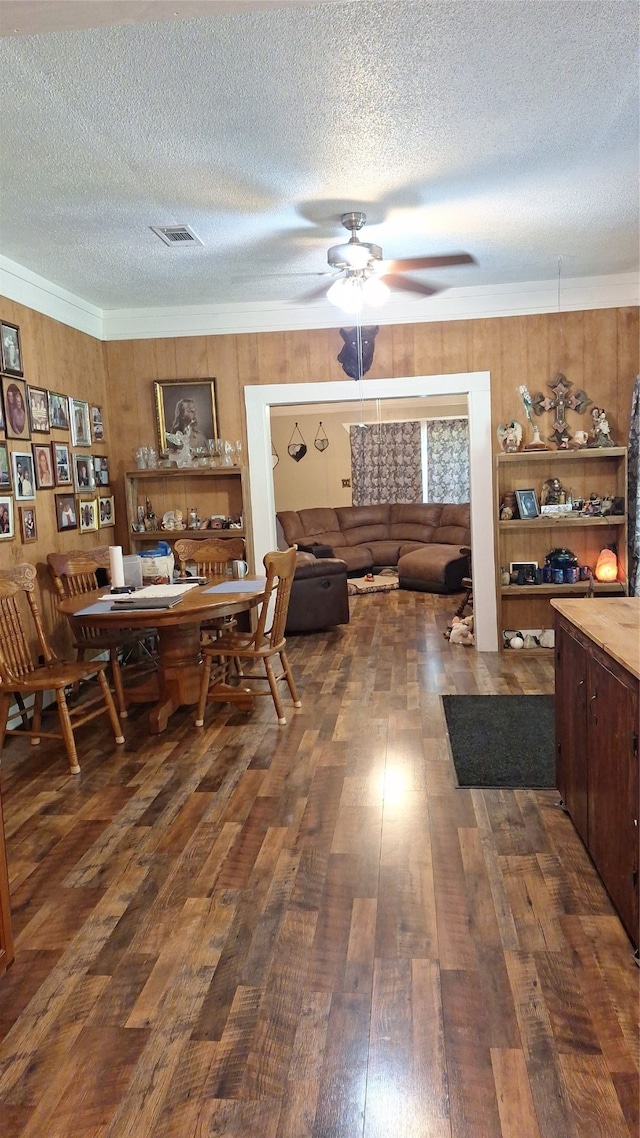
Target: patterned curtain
(448, 460)
(385, 463)
(634, 492)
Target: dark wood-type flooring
(308, 931)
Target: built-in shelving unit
(582, 472)
(217, 490)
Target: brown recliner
(319, 597)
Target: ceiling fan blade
(410, 264)
(396, 281)
(314, 294)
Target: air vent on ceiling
(176, 235)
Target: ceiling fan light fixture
(346, 293)
(353, 254)
(375, 291)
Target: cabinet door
(613, 783)
(571, 724)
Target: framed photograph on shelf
(83, 477)
(66, 512)
(97, 426)
(101, 469)
(58, 411)
(43, 462)
(80, 426)
(23, 476)
(62, 464)
(6, 518)
(39, 411)
(529, 567)
(11, 351)
(5, 470)
(88, 515)
(14, 395)
(527, 503)
(185, 408)
(28, 529)
(106, 512)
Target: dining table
(175, 682)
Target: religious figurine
(552, 493)
(601, 431)
(563, 399)
(510, 436)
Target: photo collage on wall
(47, 460)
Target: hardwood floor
(308, 931)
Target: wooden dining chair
(75, 573)
(260, 646)
(212, 558)
(21, 676)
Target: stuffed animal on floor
(461, 631)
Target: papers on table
(242, 586)
(96, 608)
(152, 592)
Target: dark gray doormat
(502, 740)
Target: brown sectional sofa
(424, 539)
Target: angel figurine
(510, 436)
(180, 448)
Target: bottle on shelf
(150, 519)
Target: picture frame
(83, 475)
(6, 486)
(23, 476)
(97, 425)
(43, 465)
(14, 397)
(38, 410)
(187, 406)
(80, 424)
(66, 512)
(6, 519)
(2, 425)
(88, 515)
(106, 511)
(28, 527)
(10, 348)
(528, 566)
(527, 503)
(62, 464)
(59, 411)
(101, 469)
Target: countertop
(613, 623)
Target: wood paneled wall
(596, 350)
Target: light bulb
(375, 291)
(346, 293)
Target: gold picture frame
(172, 399)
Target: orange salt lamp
(606, 566)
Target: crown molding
(519, 299)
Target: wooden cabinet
(208, 490)
(581, 472)
(597, 708)
(6, 935)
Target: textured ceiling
(508, 130)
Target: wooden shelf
(182, 472)
(561, 455)
(549, 521)
(196, 534)
(580, 587)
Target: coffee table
(176, 682)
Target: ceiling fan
(365, 277)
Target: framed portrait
(83, 476)
(6, 518)
(1, 414)
(23, 476)
(80, 426)
(28, 530)
(66, 513)
(527, 503)
(97, 426)
(101, 469)
(38, 411)
(5, 470)
(106, 512)
(62, 464)
(88, 514)
(529, 567)
(58, 411)
(43, 463)
(14, 396)
(11, 351)
(185, 408)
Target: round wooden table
(176, 682)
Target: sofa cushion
(455, 525)
(384, 552)
(414, 521)
(357, 557)
(362, 524)
(434, 568)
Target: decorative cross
(563, 399)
